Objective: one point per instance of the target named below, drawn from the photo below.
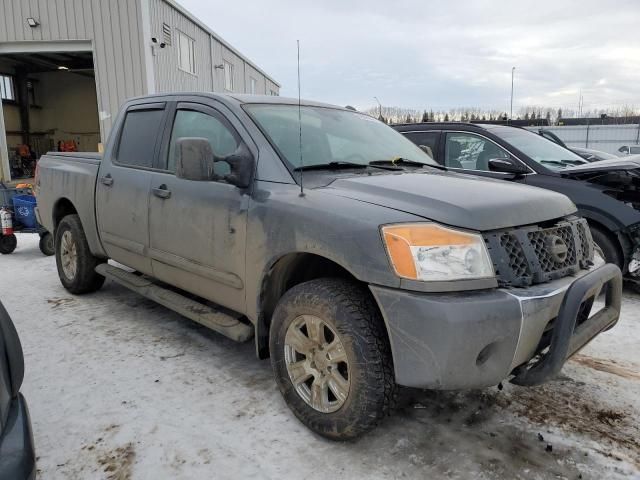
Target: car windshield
(330, 135)
(545, 152)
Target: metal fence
(606, 138)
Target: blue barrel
(23, 210)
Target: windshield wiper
(399, 161)
(330, 166)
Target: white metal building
(67, 65)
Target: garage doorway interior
(49, 103)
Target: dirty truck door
(122, 191)
(197, 228)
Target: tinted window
(465, 150)
(222, 139)
(539, 149)
(634, 150)
(427, 141)
(138, 139)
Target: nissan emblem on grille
(557, 248)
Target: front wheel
(76, 264)
(47, 245)
(8, 243)
(606, 248)
(331, 357)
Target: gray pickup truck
(355, 261)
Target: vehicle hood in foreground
(458, 200)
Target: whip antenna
(300, 125)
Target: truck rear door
(122, 191)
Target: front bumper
(477, 339)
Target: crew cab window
(138, 138)
(427, 141)
(223, 140)
(471, 152)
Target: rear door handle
(161, 191)
(106, 180)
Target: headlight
(430, 252)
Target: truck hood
(458, 200)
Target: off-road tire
(609, 248)
(85, 279)
(8, 244)
(349, 309)
(47, 245)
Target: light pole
(379, 108)
(513, 69)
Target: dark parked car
(607, 193)
(588, 154)
(17, 455)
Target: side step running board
(221, 322)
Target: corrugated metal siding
(113, 26)
(168, 76)
(209, 52)
(272, 87)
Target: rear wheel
(8, 243)
(76, 264)
(331, 358)
(46, 244)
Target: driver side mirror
(195, 161)
(507, 165)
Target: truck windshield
(330, 135)
(547, 153)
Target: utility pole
(513, 69)
(379, 108)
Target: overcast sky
(440, 54)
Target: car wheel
(8, 244)
(606, 247)
(76, 264)
(331, 357)
(47, 244)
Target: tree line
(395, 115)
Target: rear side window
(138, 138)
(427, 141)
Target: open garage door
(49, 103)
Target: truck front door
(197, 228)
(122, 191)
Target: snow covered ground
(122, 388)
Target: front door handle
(107, 180)
(161, 191)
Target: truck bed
(69, 178)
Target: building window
(166, 34)
(273, 93)
(186, 53)
(253, 85)
(6, 88)
(228, 76)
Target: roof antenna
(300, 124)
